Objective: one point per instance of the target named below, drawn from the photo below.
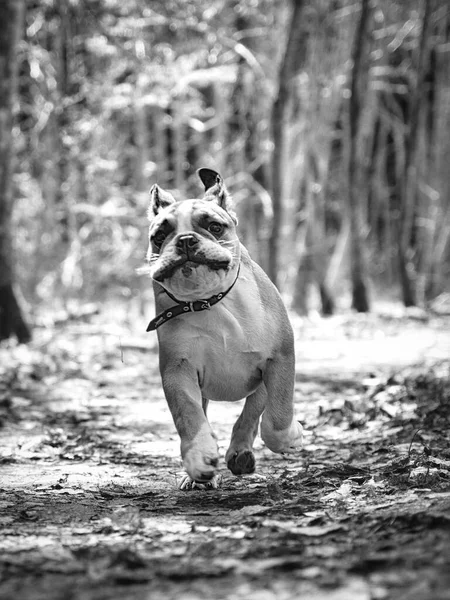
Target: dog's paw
(242, 462)
(187, 483)
(282, 441)
(201, 459)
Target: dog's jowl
(223, 332)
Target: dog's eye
(159, 238)
(215, 228)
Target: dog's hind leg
(239, 457)
(280, 431)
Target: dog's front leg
(280, 430)
(198, 444)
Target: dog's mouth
(188, 265)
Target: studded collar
(185, 307)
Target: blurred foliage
(92, 73)
(115, 96)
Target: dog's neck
(183, 306)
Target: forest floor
(89, 465)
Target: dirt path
(89, 461)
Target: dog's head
(194, 251)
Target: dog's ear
(209, 178)
(159, 199)
(216, 191)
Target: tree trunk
(318, 248)
(407, 268)
(179, 145)
(360, 301)
(62, 124)
(159, 145)
(301, 247)
(310, 243)
(11, 15)
(141, 183)
(302, 285)
(289, 66)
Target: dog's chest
(230, 373)
(229, 357)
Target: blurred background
(329, 120)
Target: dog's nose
(187, 242)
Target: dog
(223, 332)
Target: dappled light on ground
(89, 505)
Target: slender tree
(409, 183)
(291, 61)
(358, 268)
(62, 121)
(11, 16)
